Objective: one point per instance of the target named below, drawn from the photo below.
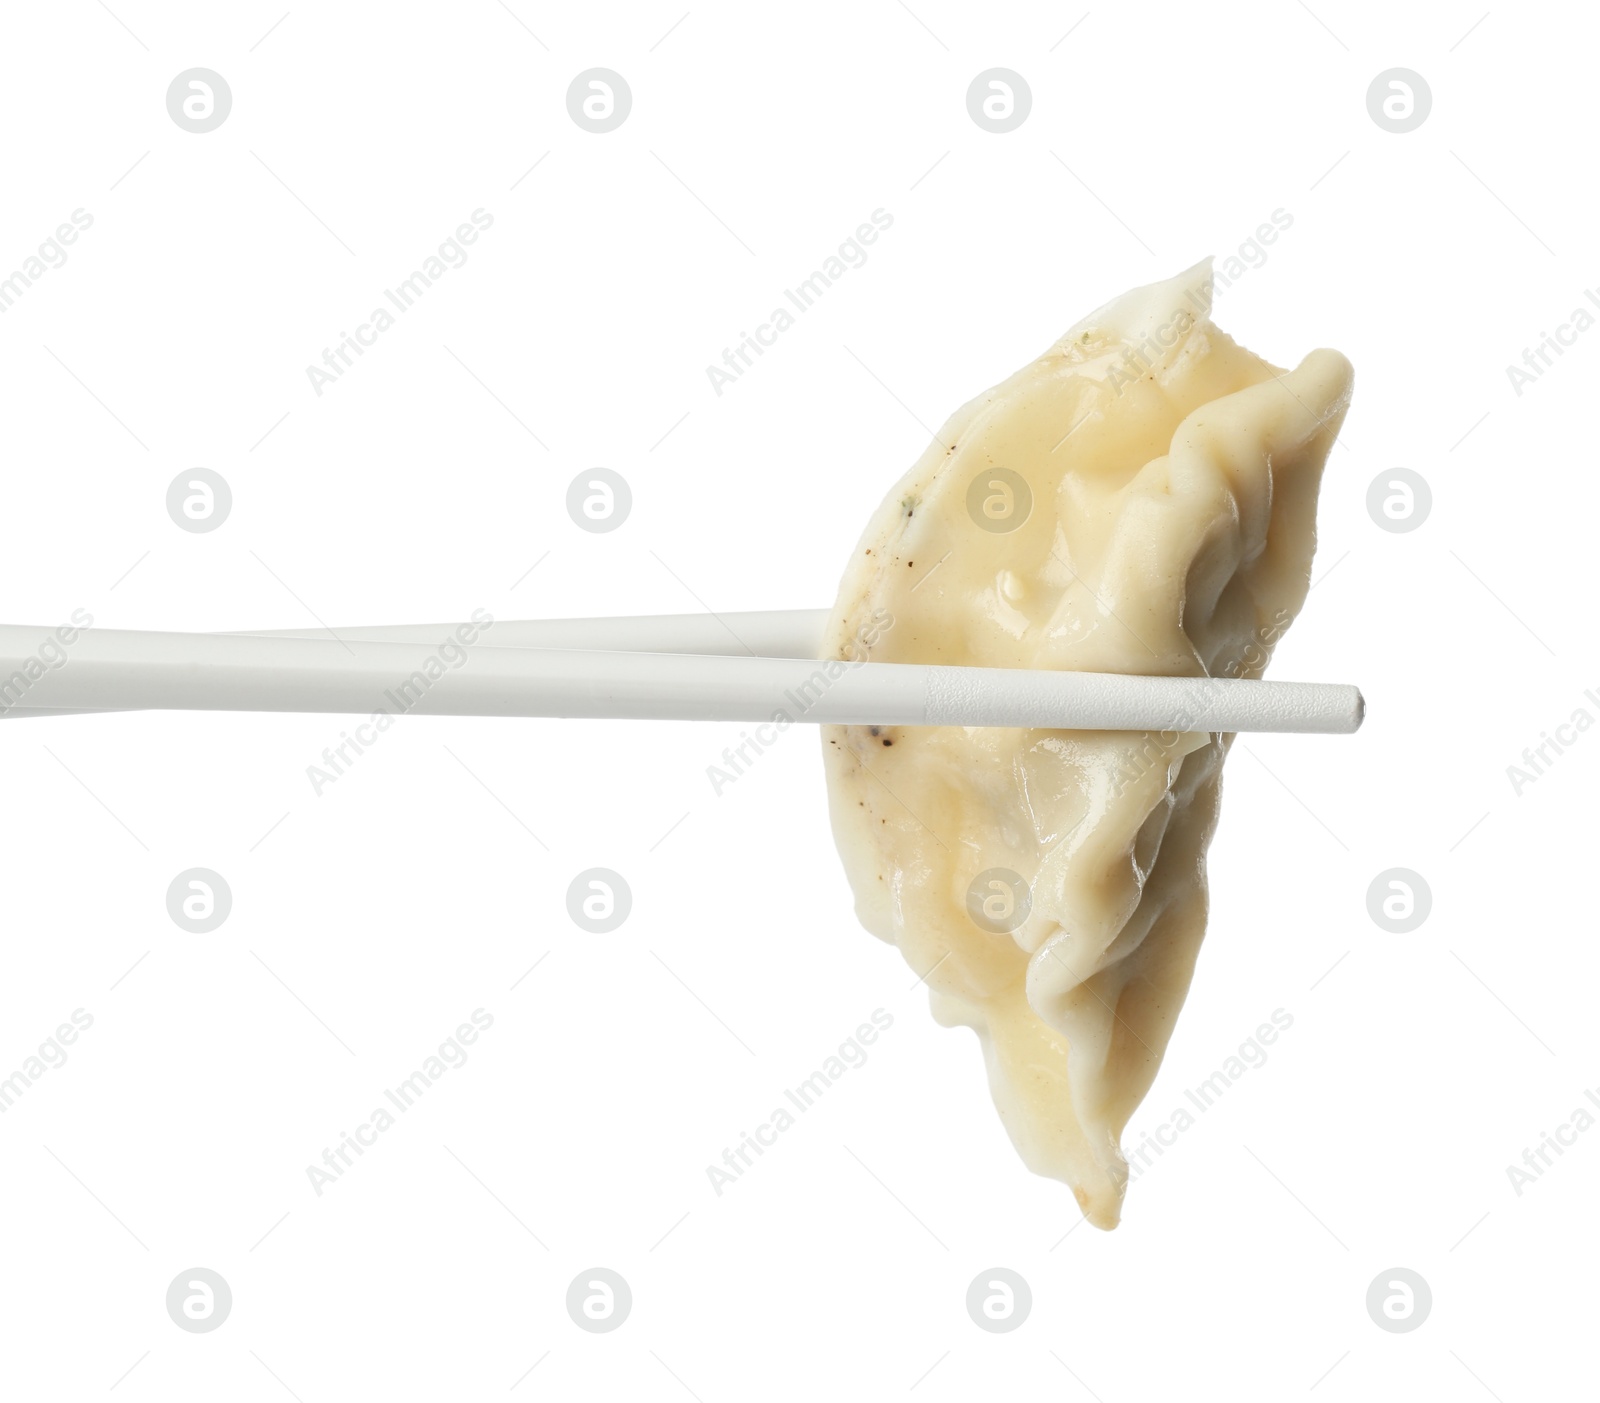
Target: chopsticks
(699, 668)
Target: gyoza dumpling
(1140, 499)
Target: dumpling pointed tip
(1157, 313)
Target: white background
(428, 880)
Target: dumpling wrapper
(1173, 479)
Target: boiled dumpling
(1139, 499)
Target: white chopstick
(111, 669)
(763, 633)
